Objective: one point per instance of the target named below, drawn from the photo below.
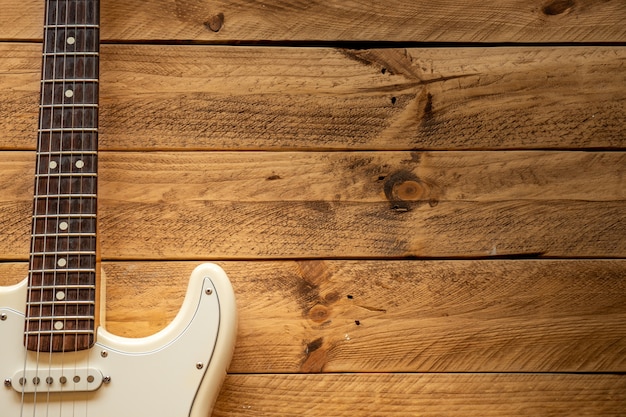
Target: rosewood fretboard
(62, 275)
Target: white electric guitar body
(174, 373)
(56, 357)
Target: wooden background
(420, 203)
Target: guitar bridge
(57, 380)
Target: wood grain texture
(334, 20)
(314, 149)
(394, 316)
(253, 98)
(434, 204)
(422, 395)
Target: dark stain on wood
(415, 159)
(359, 56)
(389, 61)
(323, 207)
(332, 297)
(317, 309)
(425, 109)
(358, 162)
(315, 356)
(274, 177)
(428, 107)
(306, 295)
(315, 306)
(314, 345)
(557, 7)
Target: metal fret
(68, 129)
(65, 216)
(69, 153)
(71, 26)
(67, 287)
(59, 332)
(76, 79)
(67, 175)
(72, 53)
(70, 105)
(64, 234)
(41, 305)
(77, 195)
(80, 80)
(73, 303)
(67, 252)
(50, 270)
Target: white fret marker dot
(60, 295)
(58, 325)
(62, 262)
(53, 165)
(80, 164)
(71, 40)
(69, 93)
(63, 225)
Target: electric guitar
(56, 359)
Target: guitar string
(83, 48)
(70, 100)
(32, 261)
(63, 99)
(55, 44)
(71, 178)
(47, 225)
(92, 145)
(43, 259)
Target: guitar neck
(61, 301)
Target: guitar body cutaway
(176, 372)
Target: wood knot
(215, 22)
(408, 191)
(556, 7)
(404, 190)
(319, 313)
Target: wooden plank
(390, 20)
(205, 229)
(200, 97)
(435, 204)
(395, 316)
(424, 395)
(341, 176)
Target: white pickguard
(174, 373)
